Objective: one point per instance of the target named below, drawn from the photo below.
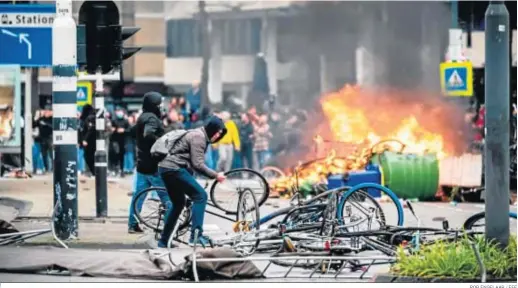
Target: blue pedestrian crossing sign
(84, 93)
(457, 78)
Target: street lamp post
(496, 148)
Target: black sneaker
(135, 230)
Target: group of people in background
(253, 137)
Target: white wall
(477, 51)
(235, 70)
(181, 71)
(186, 9)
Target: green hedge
(458, 260)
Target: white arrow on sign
(23, 37)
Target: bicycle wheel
(329, 216)
(357, 195)
(272, 172)
(361, 212)
(248, 210)
(247, 221)
(477, 222)
(225, 195)
(154, 210)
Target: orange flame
(355, 119)
(376, 121)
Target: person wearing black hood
(120, 128)
(87, 135)
(44, 125)
(148, 129)
(176, 169)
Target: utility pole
(100, 156)
(205, 42)
(64, 122)
(496, 148)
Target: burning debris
(362, 123)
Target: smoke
(390, 44)
(393, 48)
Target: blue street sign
(457, 78)
(26, 34)
(84, 93)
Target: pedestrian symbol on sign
(455, 80)
(81, 96)
(5, 19)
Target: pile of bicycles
(328, 232)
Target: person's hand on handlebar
(221, 177)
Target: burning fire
(352, 121)
(359, 120)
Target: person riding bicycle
(148, 129)
(186, 157)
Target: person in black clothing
(148, 129)
(129, 157)
(120, 127)
(87, 135)
(44, 125)
(246, 132)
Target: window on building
(240, 36)
(183, 38)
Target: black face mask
(212, 126)
(152, 103)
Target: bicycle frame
(308, 204)
(209, 203)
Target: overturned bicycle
(343, 229)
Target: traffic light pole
(101, 51)
(64, 122)
(496, 148)
(101, 163)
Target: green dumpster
(410, 176)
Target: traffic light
(126, 52)
(103, 37)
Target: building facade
(171, 52)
